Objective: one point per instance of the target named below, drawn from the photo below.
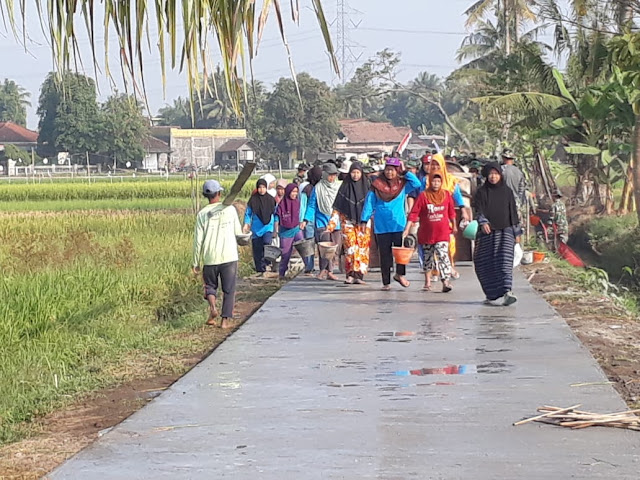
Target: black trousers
(225, 273)
(385, 241)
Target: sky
(426, 33)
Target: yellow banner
(208, 133)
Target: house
(156, 156)
(196, 147)
(234, 153)
(361, 137)
(14, 134)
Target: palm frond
(236, 25)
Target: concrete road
(334, 382)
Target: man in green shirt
(215, 247)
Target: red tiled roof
(364, 131)
(13, 133)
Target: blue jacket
(390, 216)
(257, 227)
(314, 215)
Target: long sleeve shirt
(435, 220)
(214, 239)
(314, 215)
(389, 216)
(258, 229)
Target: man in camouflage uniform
(559, 217)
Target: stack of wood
(575, 419)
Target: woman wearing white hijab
(271, 184)
(319, 211)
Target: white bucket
(527, 257)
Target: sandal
(446, 287)
(349, 281)
(386, 288)
(426, 288)
(359, 281)
(402, 281)
(331, 276)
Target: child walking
(435, 211)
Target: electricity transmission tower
(347, 51)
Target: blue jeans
(309, 262)
(257, 247)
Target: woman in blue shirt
(259, 218)
(387, 202)
(319, 211)
(306, 189)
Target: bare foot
(386, 288)
(426, 287)
(359, 281)
(349, 281)
(226, 323)
(331, 276)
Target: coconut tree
(14, 101)
(236, 26)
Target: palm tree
(14, 101)
(236, 25)
(512, 14)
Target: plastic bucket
(327, 250)
(304, 247)
(271, 252)
(244, 239)
(402, 255)
(471, 231)
(527, 258)
(538, 257)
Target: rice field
(85, 292)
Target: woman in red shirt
(436, 213)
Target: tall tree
(14, 101)
(123, 128)
(177, 114)
(68, 112)
(308, 123)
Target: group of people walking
(395, 207)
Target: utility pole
(347, 51)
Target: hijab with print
(263, 206)
(448, 181)
(282, 183)
(386, 189)
(351, 195)
(288, 210)
(496, 202)
(326, 193)
(435, 198)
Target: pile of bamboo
(575, 419)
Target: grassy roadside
(167, 203)
(84, 298)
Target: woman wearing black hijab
(259, 216)
(347, 211)
(498, 233)
(314, 175)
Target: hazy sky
(426, 32)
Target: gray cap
(211, 187)
(330, 168)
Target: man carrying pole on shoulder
(215, 247)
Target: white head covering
(270, 179)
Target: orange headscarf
(436, 198)
(449, 181)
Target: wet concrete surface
(334, 382)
